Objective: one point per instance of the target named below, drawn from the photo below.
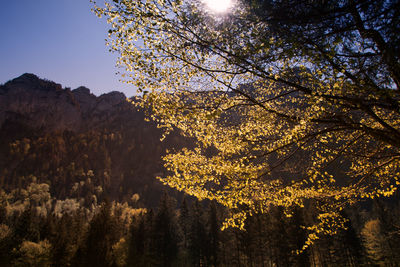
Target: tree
(61, 241)
(198, 242)
(375, 242)
(213, 235)
(184, 221)
(26, 227)
(102, 235)
(287, 100)
(138, 247)
(34, 254)
(165, 236)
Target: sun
(218, 6)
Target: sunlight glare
(218, 6)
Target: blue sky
(60, 40)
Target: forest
(38, 229)
(86, 199)
(263, 134)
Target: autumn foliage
(289, 101)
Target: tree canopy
(290, 102)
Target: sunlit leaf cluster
(289, 104)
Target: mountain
(73, 139)
(44, 104)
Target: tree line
(37, 229)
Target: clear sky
(59, 40)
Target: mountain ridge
(59, 135)
(46, 103)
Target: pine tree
(26, 227)
(165, 233)
(138, 242)
(297, 236)
(198, 242)
(279, 239)
(352, 246)
(101, 236)
(248, 240)
(375, 243)
(62, 241)
(214, 229)
(184, 225)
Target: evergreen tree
(184, 226)
(375, 243)
(385, 211)
(101, 236)
(138, 243)
(27, 227)
(6, 245)
(281, 251)
(198, 242)
(248, 240)
(165, 233)
(297, 236)
(352, 246)
(62, 240)
(214, 229)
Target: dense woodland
(39, 230)
(90, 198)
(280, 121)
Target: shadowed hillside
(78, 187)
(63, 137)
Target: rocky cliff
(63, 137)
(45, 104)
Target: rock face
(27, 98)
(42, 104)
(60, 135)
